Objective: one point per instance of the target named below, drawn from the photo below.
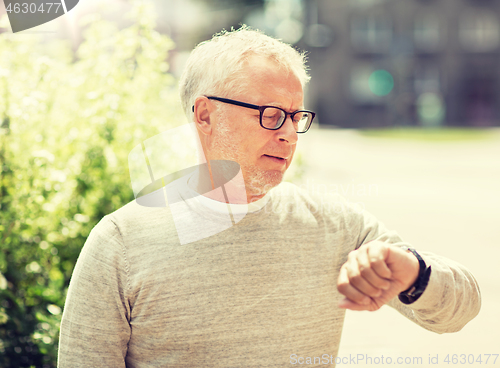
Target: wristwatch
(414, 292)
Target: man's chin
(261, 183)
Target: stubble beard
(257, 182)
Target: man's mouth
(279, 160)
(278, 157)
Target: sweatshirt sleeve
(452, 297)
(95, 327)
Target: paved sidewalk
(442, 197)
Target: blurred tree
(67, 124)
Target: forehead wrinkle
(292, 99)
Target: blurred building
(404, 63)
(373, 63)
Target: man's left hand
(374, 274)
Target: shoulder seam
(127, 267)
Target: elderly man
(271, 290)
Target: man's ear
(202, 109)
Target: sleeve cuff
(433, 289)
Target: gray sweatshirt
(253, 295)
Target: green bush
(67, 124)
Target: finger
(349, 304)
(350, 292)
(357, 280)
(377, 255)
(366, 269)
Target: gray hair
(214, 66)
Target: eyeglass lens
(273, 117)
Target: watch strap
(414, 292)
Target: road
(441, 197)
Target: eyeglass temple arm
(232, 102)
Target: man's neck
(232, 191)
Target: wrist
(413, 269)
(416, 289)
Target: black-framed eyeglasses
(273, 118)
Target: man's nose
(287, 131)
